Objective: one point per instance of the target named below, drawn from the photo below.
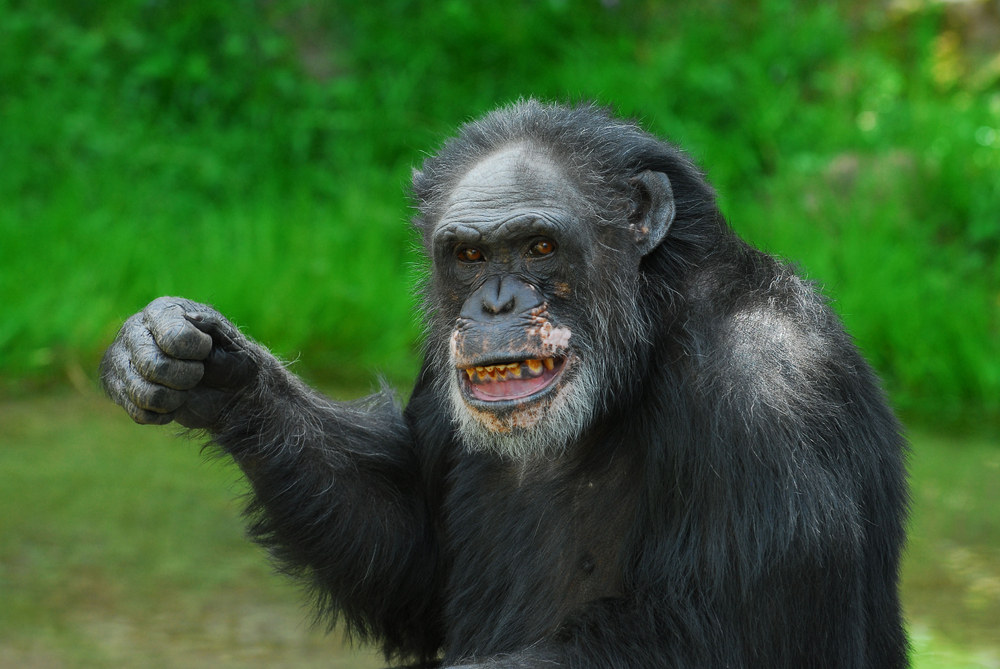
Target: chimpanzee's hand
(178, 360)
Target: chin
(522, 409)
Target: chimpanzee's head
(537, 220)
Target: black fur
(737, 499)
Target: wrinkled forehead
(513, 181)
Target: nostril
(500, 297)
(497, 306)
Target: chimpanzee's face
(537, 291)
(508, 252)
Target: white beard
(596, 371)
(525, 434)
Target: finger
(114, 361)
(146, 417)
(222, 332)
(156, 366)
(173, 333)
(152, 396)
(115, 387)
(230, 364)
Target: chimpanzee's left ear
(418, 183)
(654, 209)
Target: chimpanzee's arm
(337, 491)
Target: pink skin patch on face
(552, 338)
(557, 338)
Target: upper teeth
(534, 367)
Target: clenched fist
(179, 360)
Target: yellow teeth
(514, 370)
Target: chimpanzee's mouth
(511, 382)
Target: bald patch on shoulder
(775, 353)
(766, 336)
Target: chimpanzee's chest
(527, 548)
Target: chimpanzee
(635, 440)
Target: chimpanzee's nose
(501, 296)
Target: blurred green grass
(256, 156)
(122, 546)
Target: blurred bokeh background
(255, 154)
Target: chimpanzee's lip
(511, 381)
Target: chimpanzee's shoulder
(771, 332)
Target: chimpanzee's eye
(542, 248)
(470, 254)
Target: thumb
(223, 333)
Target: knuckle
(113, 362)
(113, 386)
(169, 332)
(133, 331)
(166, 302)
(153, 365)
(183, 340)
(176, 335)
(143, 355)
(161, 367)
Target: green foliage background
(255, 155)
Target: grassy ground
(122, 546)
